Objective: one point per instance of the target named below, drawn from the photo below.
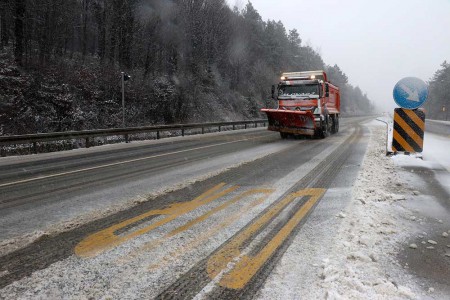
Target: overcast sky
(376, 43)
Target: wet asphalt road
(438, 127)
(433, 207)
(233, 227)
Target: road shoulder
(357, 252)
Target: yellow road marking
(208, 214)
(107, 239)
(124, 162)
(246, 267)
(153, 244)
(206, 235)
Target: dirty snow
(360, 261)
(357, 260)
(132, 271)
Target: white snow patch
(358, 264)
(372, 230)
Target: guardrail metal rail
(88, 135)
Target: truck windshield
(299, 91)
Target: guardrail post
(220, 128)
(35, 151)
(256, 124)
(203, 130)
(88, 142)
(245, 126)
(127, 138)
(2, 152)
(158, 136)
(182, 131)
(234, 127)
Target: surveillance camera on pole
(125, 77)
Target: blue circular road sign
(410, 93)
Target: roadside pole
(124, 77)
(123, 99)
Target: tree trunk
(85, 31)
(101, 25)
(1, 29)
(114, 32)
(18, 31)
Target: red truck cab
(308, 104)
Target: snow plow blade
(291, 121)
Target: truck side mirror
(273, 92)
(327, 90)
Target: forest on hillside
(189, 61)
(438, 105)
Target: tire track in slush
(55, 248)
(233, 271)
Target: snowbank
(380, 226)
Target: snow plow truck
(308, 105)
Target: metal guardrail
(88, 135)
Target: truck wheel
(333, 125)
(328, 128)
(324, 131)
(337, 123)
(284, 135)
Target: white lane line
(125, 162)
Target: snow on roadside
(362, 264)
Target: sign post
(410, 94)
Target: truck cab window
(299, 91)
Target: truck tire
(333, 125)
(328, 127)
(337, 123)
(284, 135)
(325, 129)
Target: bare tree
(18, 30)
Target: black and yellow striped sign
(409, 128)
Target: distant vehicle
(308, 104)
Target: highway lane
(72, 193)
(261, 202)
(29, 182)
(17, 169)
(48, 179)
(438, 127)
